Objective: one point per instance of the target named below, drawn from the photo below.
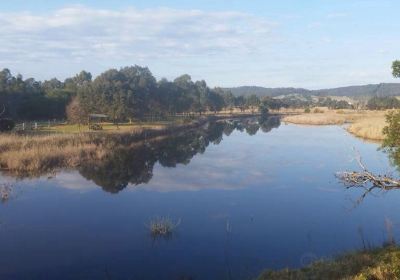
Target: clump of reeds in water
(163, 226)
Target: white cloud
(79, 32)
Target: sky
(288, 43)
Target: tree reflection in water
(126, 165)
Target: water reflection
(126, 165)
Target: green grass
(377, 264)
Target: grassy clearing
(363, 123)
(107, 127)
(378, 264)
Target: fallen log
(367, 180)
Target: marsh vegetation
(163, 227)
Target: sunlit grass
(377, 264)
(363, 123)
(106, 127)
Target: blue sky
(299, 43)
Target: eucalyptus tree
(396, 68)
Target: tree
(240, 102)
(75, 112)
(396, 69)
(252, 101)
(263, 109)
(380, 103)
(392, 130)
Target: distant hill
(272, 92)
(384, 89)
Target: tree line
(128, 93)
(134, 93)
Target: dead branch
(360, 179)
(365, 177)
(367, 180)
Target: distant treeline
(133, 93)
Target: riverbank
(379, 264)
(361, 123)
(33, 154)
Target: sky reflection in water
(246, 202)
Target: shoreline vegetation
(366, 124)
(44, 152)
(379, 264)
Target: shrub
(95, 126)
(318, 111)
(307, 110)
(392, 130)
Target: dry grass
(365, 124)
(368, 128)
(378, 264)
(36, 154)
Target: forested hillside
(379, 90)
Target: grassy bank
(377, 264)
(362, 123)
(35, 154)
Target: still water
(247, 197)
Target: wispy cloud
(79, 32)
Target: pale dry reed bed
(37, 154)
(369, 128)
(33, 155)
(362, 123)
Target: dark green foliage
(396, 69)
(32, 100)
(334, 104)
(392, 130)
(124, 94)
(133, 92)
(392, 136)
(381, 103)
(6, 125)
(263, 109)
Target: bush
(392, 130)
(6, 125)
(318, 111)
(95, 126)
(307, 110)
